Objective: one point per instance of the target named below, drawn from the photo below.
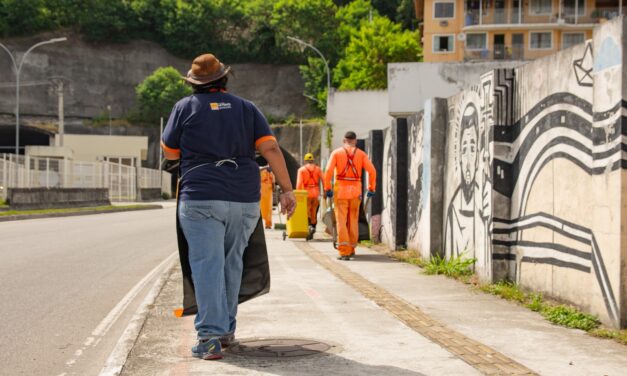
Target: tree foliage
(377, 43)
(158, 93)
(357, 37)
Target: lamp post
(109, 110)
(18, 69)
(326, 64)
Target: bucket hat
(206, 68)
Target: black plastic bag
(255, 274)
(364, 227)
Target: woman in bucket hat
(215, 135)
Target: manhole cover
(279, 348)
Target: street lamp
(18, 69)
(109, 109)
(326, 64)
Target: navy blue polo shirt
(210, 127)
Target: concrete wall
(96, 147)
(106, 74)
(411, 84)
(358, 111)
(426, 178)
(534, 176)
(44, 198)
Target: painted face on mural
(468, 145)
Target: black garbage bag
(364, 227)
(255, 275)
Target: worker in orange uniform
(267, 187)
(309, 178)
(347, 163)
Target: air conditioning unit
(444, 23)
(461, 37)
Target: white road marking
(103, 327)
(115, 362)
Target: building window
(541, 40)
(541, 7)
(444, 9)
(572, 39)
(477, 42)
(443, 43)
(570, 7)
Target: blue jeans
(217, 233)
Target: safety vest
(350, 166)
(311, 181)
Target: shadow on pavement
(316, 365)
(373, 258)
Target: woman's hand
(288, 203)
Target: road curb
(119, 356)
(19, 217)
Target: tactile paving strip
(483, 358)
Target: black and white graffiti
(468, 216)
(561, 126)
(417, 186)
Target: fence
(122, 180)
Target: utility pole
(301, 141)
(61, 114)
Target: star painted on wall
(583, 67)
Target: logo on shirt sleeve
(217, 106)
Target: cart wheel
(284, 235)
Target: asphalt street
(70, 286)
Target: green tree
(314, 76)
(107, 20)
(351, 16)
(312, 21)
(370, 50)
(406, 15)
(23, 17)
(158, 93)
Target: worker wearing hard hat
(347, 163)
(309, 178)
(267, 188)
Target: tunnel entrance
(28, 136)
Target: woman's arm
(271, 151)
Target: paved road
(60, 280)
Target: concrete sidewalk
(378, 317)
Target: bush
(158, 93)
(570, 317)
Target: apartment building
(476, 30)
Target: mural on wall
(418, 188)
(388, 215)
(561, 125)
(468, 214)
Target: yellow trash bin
(298, 224)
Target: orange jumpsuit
(267, 186)
(309, 177)
(347, 163)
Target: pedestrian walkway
(369, 316)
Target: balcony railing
(497, 53)
(567, 15)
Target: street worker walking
(267, 188)
(215, 134)
(309, 178)
(347, 163)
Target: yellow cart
(298, 225)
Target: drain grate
(279, 348)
